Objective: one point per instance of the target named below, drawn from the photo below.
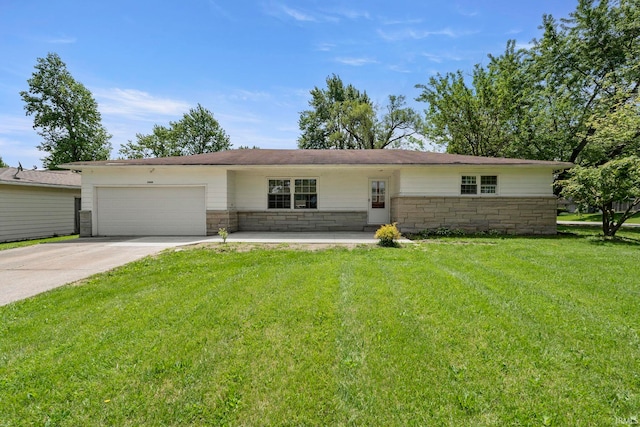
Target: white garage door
(151, 211)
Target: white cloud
(248, 95)
(11, 125)
(466, 12)
(414, 34)
(280, 10)
(524, 45)
(298, 15)
(356, 62)
(61, 40)
(218, 10)
(402, 22)
(137, 104)
(438, 59)
(399, 69)
(351, 13)
(325, 47)
(24, 151)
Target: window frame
(293, 200)
(478, 184)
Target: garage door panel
(135, 211)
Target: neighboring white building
(316, 190)
(36, 204)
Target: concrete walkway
(30, 270)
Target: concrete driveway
(30, 270)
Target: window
(305, 193)
(377, 194)
(279, 194)
(488, 184)
(468, 185)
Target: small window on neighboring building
(468, 185)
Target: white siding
(513, 181)
(214, 179)
(34, 212)
(339, 189)
(231, 190)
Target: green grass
(595, 217)
(12, 245)
(466, 331)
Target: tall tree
(65, 115)
(3, 164)
(479, 117)
(558, 100)
(587, 73)
(342, 117)
(196, 133)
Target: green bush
(387, 235)
(222, 232)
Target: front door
(378, 201)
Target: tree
(602, 186)
(342, 117)
(196, 133)
(65, 115)
(480, 118)
(586, 68)
(559, 100)
(3, 164)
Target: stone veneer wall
(512, 215)
(86, 228)
(302, 220)
(221, 219)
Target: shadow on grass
(628, 236)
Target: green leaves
(482, 117)
(342, 117)
(196, 133)
(600, 187)
(65, 115)
(573, 96)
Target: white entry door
(378, 201)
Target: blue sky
(252, 63)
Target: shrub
(387, 235)
(222, 232)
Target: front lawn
(466, 331)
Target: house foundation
(509, 215)
(221, 219)
(302, 220)
(86, 224)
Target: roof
(270, 157)
(39, 178)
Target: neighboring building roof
(268, 157)
(39, 178)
